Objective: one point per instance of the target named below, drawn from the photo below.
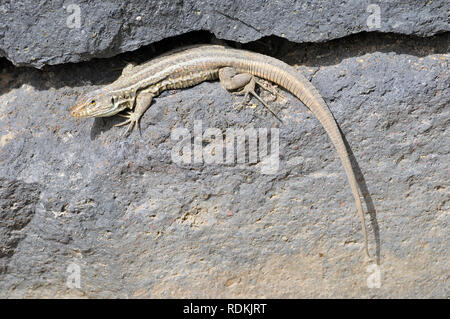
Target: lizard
(236, 69)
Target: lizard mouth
(83, 111)
(78, 111)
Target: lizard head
(97, 104)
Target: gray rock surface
(38, 33)
(73, 192)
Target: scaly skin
(186, 68)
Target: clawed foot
(133, 119)
(250, 89)
(272, 89)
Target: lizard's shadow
(103, 124)
(367, 198)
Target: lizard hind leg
(246, 82)
(143, 101)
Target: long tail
(309, 95)
(293, 81)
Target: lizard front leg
(232, 81)
(143, 101)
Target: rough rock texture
(139, 225)
(44, 32)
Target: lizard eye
(92, 102)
